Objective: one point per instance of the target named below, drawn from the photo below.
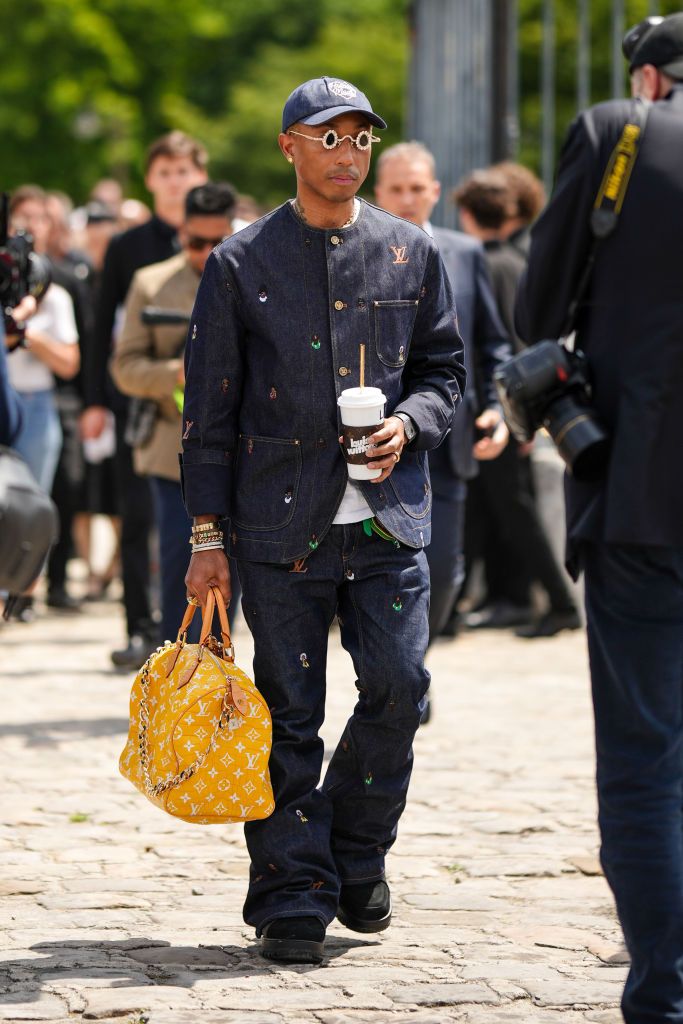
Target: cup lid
(361, 397)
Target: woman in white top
(50, 347)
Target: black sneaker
(550, 624)
(135, 654)
(294, 940)
(365, 907)
(20, 608)
(499, 615)
(59, 599)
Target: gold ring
(396, 456)
(194, 600)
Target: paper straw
(362, 366)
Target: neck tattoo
(299, 210)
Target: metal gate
(464, 85)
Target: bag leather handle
(214, 600)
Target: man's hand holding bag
(200, 732)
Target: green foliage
(87, 84)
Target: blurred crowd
(100, 375)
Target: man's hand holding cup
(371, 444)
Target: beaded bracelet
(215, 545)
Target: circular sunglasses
(331, 139)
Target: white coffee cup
(362, 413)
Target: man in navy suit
(406, 185)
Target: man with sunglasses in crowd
(148, 364)
(274, 339)
(626, 529)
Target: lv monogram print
(199, 739)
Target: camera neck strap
(611, 195)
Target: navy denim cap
(657, 41)
(321, 99)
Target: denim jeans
(319, 838)
(634, 605)
(137, 516)
(174, 528)
(39, 441)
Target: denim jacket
(273, 341)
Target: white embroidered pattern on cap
(343, 89)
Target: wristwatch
(409, 426)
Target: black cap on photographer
(657, 41)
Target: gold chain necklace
(347, 224)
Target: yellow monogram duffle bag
(200, 732)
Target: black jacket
(506, 262)
(148, 243)
(630, 323)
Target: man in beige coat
(148, 364)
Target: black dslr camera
(547, 386)
(22, 271)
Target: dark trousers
(505, 529)
(634, 607)
(137, 517)
(174, 527)
(317, 839)
(445, 555)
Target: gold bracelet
(204, 527)
(207, 538)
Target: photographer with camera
(11, 416)
(621, 164)
(46, 348)
(28, 518)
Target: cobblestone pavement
(112, 911)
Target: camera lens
(579, 438)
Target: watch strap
(409, 425)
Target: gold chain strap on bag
(200, 732)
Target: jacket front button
(335, 239)
(344, 371)
(339, 304)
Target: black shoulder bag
(29, 524)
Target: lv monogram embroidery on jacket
(399, 252)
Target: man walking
(274, 339)
(626, 530)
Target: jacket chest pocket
(268, 472)
(394, 320)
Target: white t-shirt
(55, 317)
(353, 508)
